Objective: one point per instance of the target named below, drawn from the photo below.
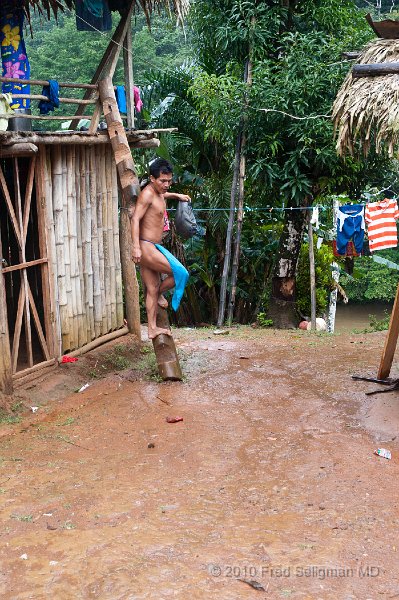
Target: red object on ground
(173, 419)
(68, 359)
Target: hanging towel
(138, 104)
(180, 275)
(381, 219)
(5, 109)
(350, 225)
(51, 91)
(120, 95)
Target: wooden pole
(390, 341)
(130, 189)
(128, 69)
(165, 351)
(6, 386)
(312, 276)
(375, 69)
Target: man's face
(162, 183)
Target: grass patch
(23, 518)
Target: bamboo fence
(83, 225)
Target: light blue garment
(121, 98)
(180, 275)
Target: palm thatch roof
(366, 110)
(179, 7)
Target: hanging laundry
(5, 109)
(138, 103)
(350, 225)
(15, 62)
(51, 91)
(349, 250)
(120, 95)
(381, 218)
(314, 219)
(93, 15)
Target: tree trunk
(229, 234)
(282, 307)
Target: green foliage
(376, 324)
(372, 281)
(263, 321)
(323, 259)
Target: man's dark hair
(160, 165)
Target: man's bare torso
(151, 225)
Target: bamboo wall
(81, 197)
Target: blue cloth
(180, 275)
(93, 15)
(350, 225)
(120, 95)
(51, 91)
(15, 62)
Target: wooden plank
(25, 265)
(28, 197)
(44, 250)
(43, 82)
(10, 207)
(312, 276)
(62, 100)
(43, 117)
(17, 330)
(390, 341)
(24, 275)
(38, 325)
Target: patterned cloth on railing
(13, 52)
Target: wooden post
(312, 276)
(390, 341)
(165, 351)
(6, 386)
(130, 189)
(128, 68)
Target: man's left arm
(175, 196)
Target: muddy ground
(269, 487)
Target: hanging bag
(185, 222)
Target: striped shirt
(381, 219)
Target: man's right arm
(142, 205)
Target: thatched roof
(179, 7)
(366, 110)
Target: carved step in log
(165, 351)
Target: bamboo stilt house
(64, 227)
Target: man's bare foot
(153, 333)
(163, 303)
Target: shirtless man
(147, 228)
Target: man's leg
(151, 281)
(154, 260)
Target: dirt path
(270, 478)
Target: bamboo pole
(43, 83)
(119, 305)
(70, 307)
(104, 215)
(62, 100)
(58, 206)
(86, 257)
(45, 157)
(101, 197)
(165, 351)
(89, 254)
(99, 342)
(82, 332)
(109, 240)
(130, 188)
(73, 239)
(95, 245)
